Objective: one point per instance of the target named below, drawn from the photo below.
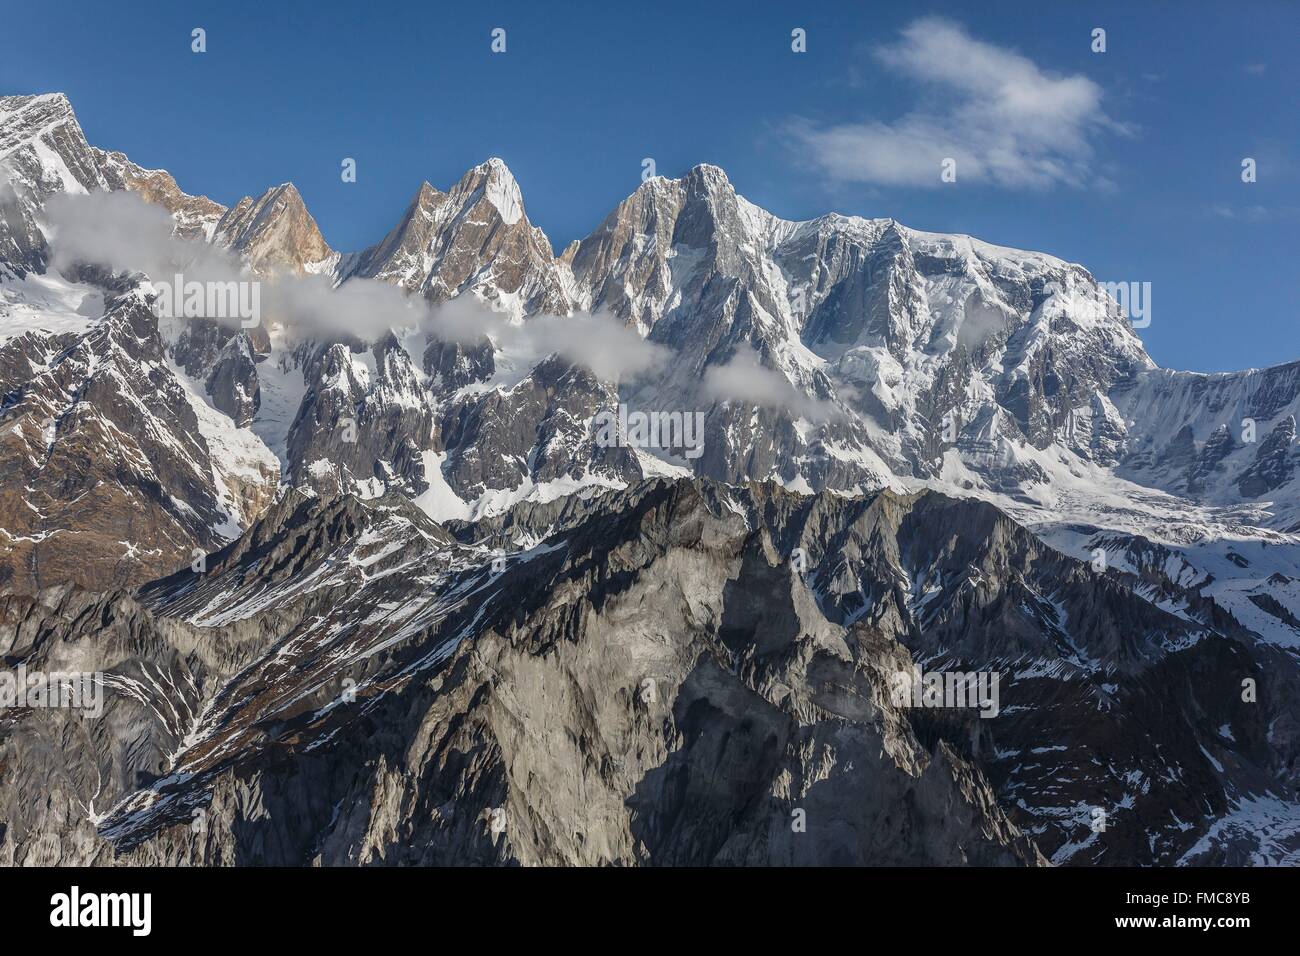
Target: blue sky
(1127, 161)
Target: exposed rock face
(364, 420)
(541, 432)
(1275, 461)
(113, 472)
(233, 383)
(451, 366)
(1217, 447)
(661, 678)
(275, 233)
(196, 216)
(1106, 435)
(1180, 454)
(474, 238)
(631, 279)
(106, 477)
(1250, 406)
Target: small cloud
(1255, 212)
(745, 379)
(120, 231)
(1002, 119)
(599, 342)
(1256, 69)
(596, 341)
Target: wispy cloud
(745, 379)
(1255, 212)
(1003, 119)
(121, 231)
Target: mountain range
(380, 594)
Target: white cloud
(598, 341)
(745, 379)
(1255, 212)
(121, 231)
(1003, 119)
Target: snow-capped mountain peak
(474, 238)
